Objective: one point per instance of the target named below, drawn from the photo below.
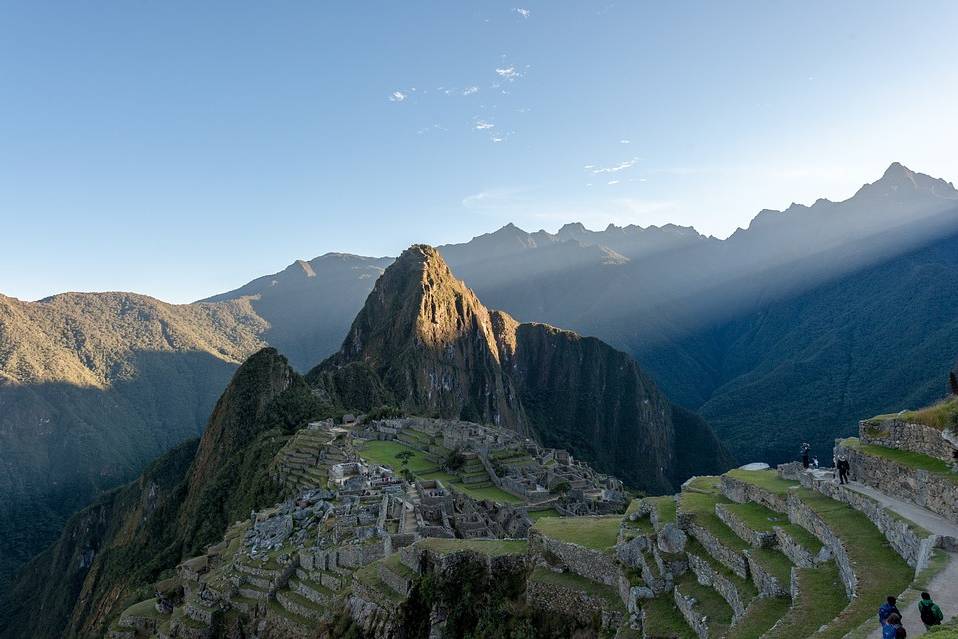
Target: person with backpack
(929, 611)
(893, 628)
(887, 609)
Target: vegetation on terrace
(942, 415)
(580, 584)
(906, 458)
(598, 533)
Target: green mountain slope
(135, 534)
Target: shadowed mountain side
(182, 503)
(879, 340)
(424, 342)
(583, 395)
(309, 305)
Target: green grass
(904, 457)
(757, 517)
(580, 584)
(760, 615)
(880, 570)
(822, 598)
(384, 453)
(663, 619)
(746, 588)
(767, 479)
(702, 507)
(665, 508)
(490, 547)
(599, 533)
(536, 515)
(709, 603)
(369, 576)
(943, 415)
(145, 609)
(777, 564)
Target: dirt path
(943, 586)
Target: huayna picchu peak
(425, 343)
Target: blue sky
(180, 149)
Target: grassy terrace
(146, 609)
(663, 619)
(822, 599)
(905, 458)
(767, 479)
(580, 584)
(762, 614)
(598, 533)
(943, 415)
(762, 519)
(880, 570)
(490, 547)
(745, 587)
(709, 603)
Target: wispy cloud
(398, 96)
(621, 166)
(625, 141)
(525, 13)
(508, 73)
(610, 182)
(470, 90)
(482, 125)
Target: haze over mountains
(789, 330)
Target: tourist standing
(805, 448)
(929, 611)
(843, 468)
(887, 609)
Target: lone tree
(953, 382)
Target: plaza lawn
(384, 453)
(536, 515)
(599, 533)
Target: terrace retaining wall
(916, 438)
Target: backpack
(930, 614)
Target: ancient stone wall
(693, 618)
(707, 576)
(591, 564)
(801, 514)
(911, 543)
(916, 438)
(797, 553)
(767, 583)
(732, 559)
(935, 492)
(580, 605)
(756, 538)
(742, 492)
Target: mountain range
(790, 330)
(422, 343)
